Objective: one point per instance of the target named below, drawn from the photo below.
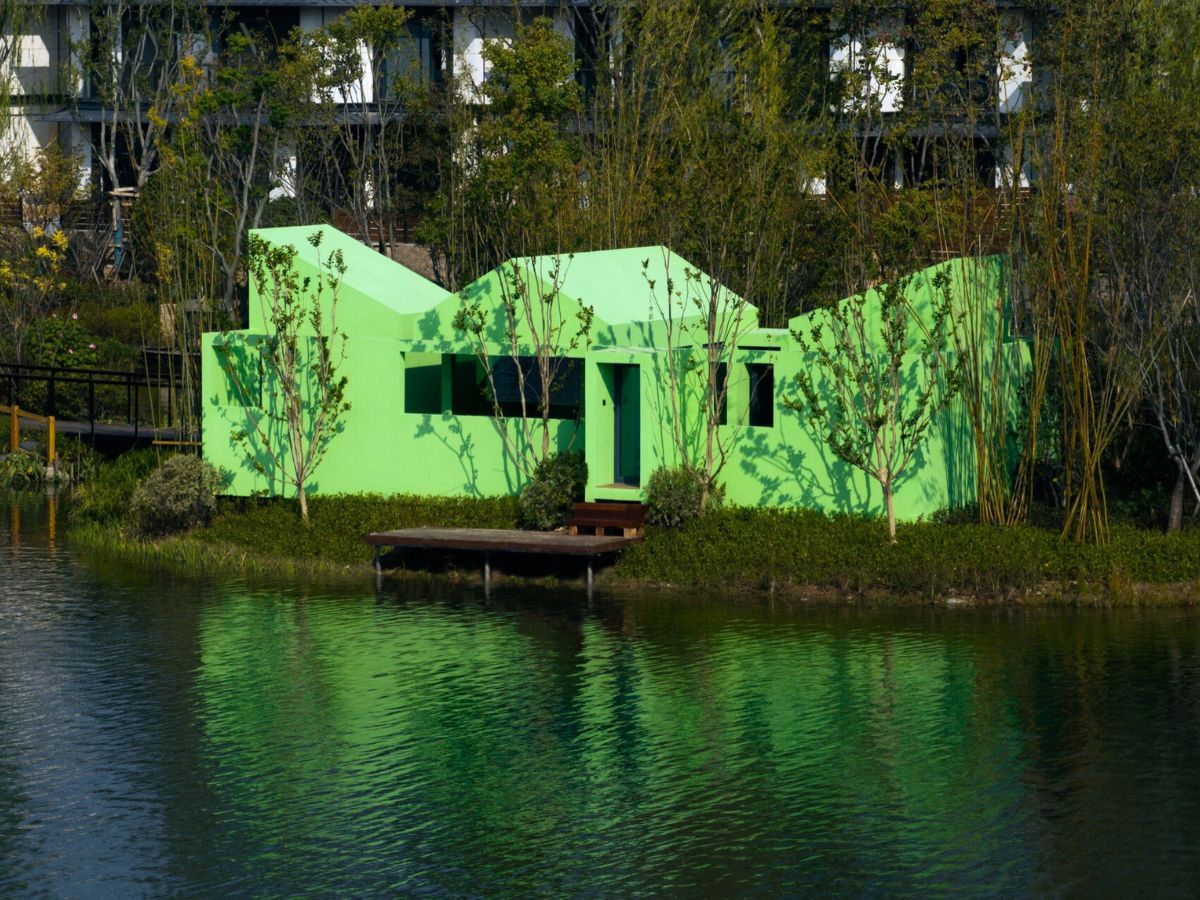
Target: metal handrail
(15, 374)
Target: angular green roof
(616, 284)
(368, 272)
(626, 290)
(977, 286)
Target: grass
(191, 554)
(791, 551)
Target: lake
(163, 735)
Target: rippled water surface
(170, 736)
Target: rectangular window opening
(472, 388)
(762, 394)
(722, 393)
(423, 383)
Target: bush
(178, 495)
(21, 469)
(673, 496)
(105, 498)
(557, 484)
(125, 313)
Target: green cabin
(422, 417)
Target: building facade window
(762, 395)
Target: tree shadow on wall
(787, 476)
(253, 410)
(450, 434)
(815, 478)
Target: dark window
(422, 386)
(469, 388)
(589, 26)
(417, 58)
(722, 391)
(762, 394)
(566, 392)
(265, 27)
(471, 391)
(930, 160)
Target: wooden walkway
(129, 433)
(499, 540)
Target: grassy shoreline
(787, 553)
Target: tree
(703, 323)
(234, 113)
(1112, 297)
(538, 331)
(1148, 233)
(511, 206)
(511, 184)
(372, 112)
(171, 227)
(700, 138)
(960, 133)
(880, 382)
(704, 134)
(131, 62)
(301, 356)
(33, 258)
(242, 112)
(29, 279)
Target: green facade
(419, 422)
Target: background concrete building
(51, 101)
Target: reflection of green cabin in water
(422, 420)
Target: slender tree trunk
(891, 511)
(1187, 472)
(303, 496)
(1175, 514)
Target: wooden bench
(630, 518)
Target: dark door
(627, 425)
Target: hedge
(761, 548)
(727, 548)
(338, 523)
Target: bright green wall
(383, 448)
(626, 290)
(789, 464)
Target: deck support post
(486, 541)
(378, 561)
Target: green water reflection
(665, 743)
(291, 741)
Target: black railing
(138, 400)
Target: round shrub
(178, 495)
(558, 483)
(673, 496)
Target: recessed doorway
(627, 425)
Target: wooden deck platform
(499, 540)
